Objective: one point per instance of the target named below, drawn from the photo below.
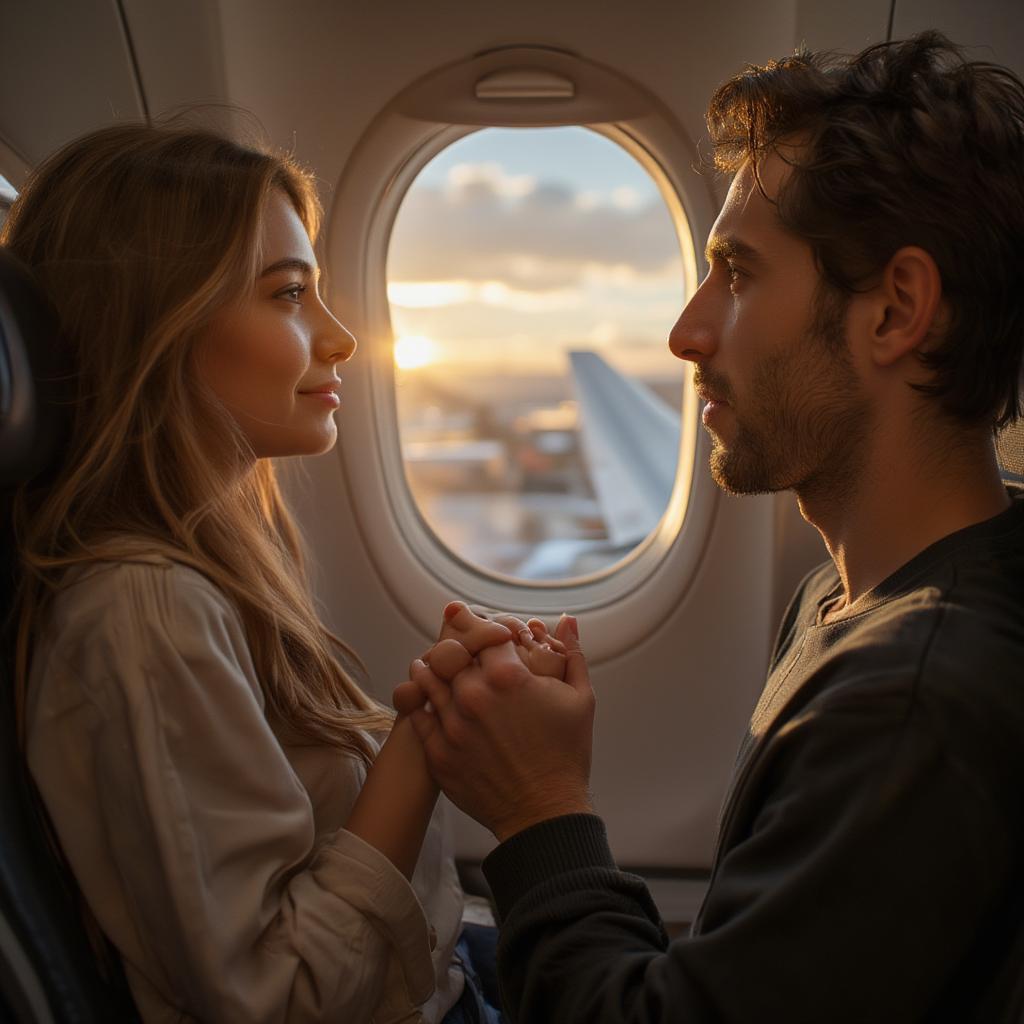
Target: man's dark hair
(906, 143)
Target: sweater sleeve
(190, 834)
(874, 861)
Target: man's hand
(510, 747)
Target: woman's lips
(327, 395)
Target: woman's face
(272, 357)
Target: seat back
(48, 971)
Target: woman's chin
(326, 442)
(318, 443)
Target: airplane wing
(631, 443)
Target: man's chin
(738, 476)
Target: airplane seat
(48, 971)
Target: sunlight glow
(413, 351)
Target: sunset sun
(413, 351)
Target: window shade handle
(524, 84)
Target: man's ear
(905, 306)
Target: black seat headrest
(34, 408)
(44, 952)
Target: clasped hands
(505, 712)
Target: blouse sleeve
(188, 830)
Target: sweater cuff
(572, 842)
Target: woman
(207, 759)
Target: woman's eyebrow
(291, 263)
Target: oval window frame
(419, 571)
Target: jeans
(476, 950)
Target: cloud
(531, 235)
(626, 198)
(467, 181)
(604, 333)
(433, 294)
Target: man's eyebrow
(291, 263)
(729, 247)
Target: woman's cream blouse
(207, 842)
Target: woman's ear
(905, 307)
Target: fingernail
(574, 627)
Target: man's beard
(804, 423)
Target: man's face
(786, 408)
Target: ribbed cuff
(572, 842)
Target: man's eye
(735, 274)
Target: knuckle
(449, 647)
(510, 621)
(472, 701)
(457, 733)
(507, 674)
(448, 658)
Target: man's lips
(713, 406)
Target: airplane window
(533, 276)
(7, 196)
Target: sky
(514, 246)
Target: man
(857, 339)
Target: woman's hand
(465, 633)
(394, 806)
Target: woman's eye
(292, 292)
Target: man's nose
(693, 337)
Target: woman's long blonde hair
(138, 235)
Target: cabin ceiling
(316, 72)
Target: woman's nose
(336, 343)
